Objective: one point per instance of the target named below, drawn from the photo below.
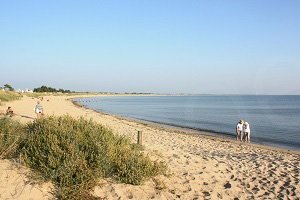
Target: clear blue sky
(167, 46)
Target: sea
(274, 120)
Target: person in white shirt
(246, 130)
(39, 110)
(239, 130)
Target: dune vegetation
(75, 153)
(9, 96)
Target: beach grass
(75, 153)
(9, 96)
(11, 135)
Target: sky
(159, 46)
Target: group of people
(38, 109)
(243, 131)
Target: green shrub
(11, 134)
(133, 167)
(73, 154)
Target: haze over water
(273, 120)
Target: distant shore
(201, 166)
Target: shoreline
(191, 131)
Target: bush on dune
(74, 153)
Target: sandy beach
(201, 167)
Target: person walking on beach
(246, 130)
(39, 110)
(239, 130)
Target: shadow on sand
(27, 117)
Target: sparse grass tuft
(36, 94)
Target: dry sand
(201, 167)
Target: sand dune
(201, 167)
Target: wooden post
(140, 137)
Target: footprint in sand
(255, 189)
(129, 195)
(176, 156)
(227, 185)
(206, 194)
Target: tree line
(50, 89)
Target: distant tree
(9, 87)
(50, 89)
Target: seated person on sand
(246, 130)
(9, 111)
(239, 130)
(39, 110)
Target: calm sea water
(274, 120)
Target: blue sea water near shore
(274, 120)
